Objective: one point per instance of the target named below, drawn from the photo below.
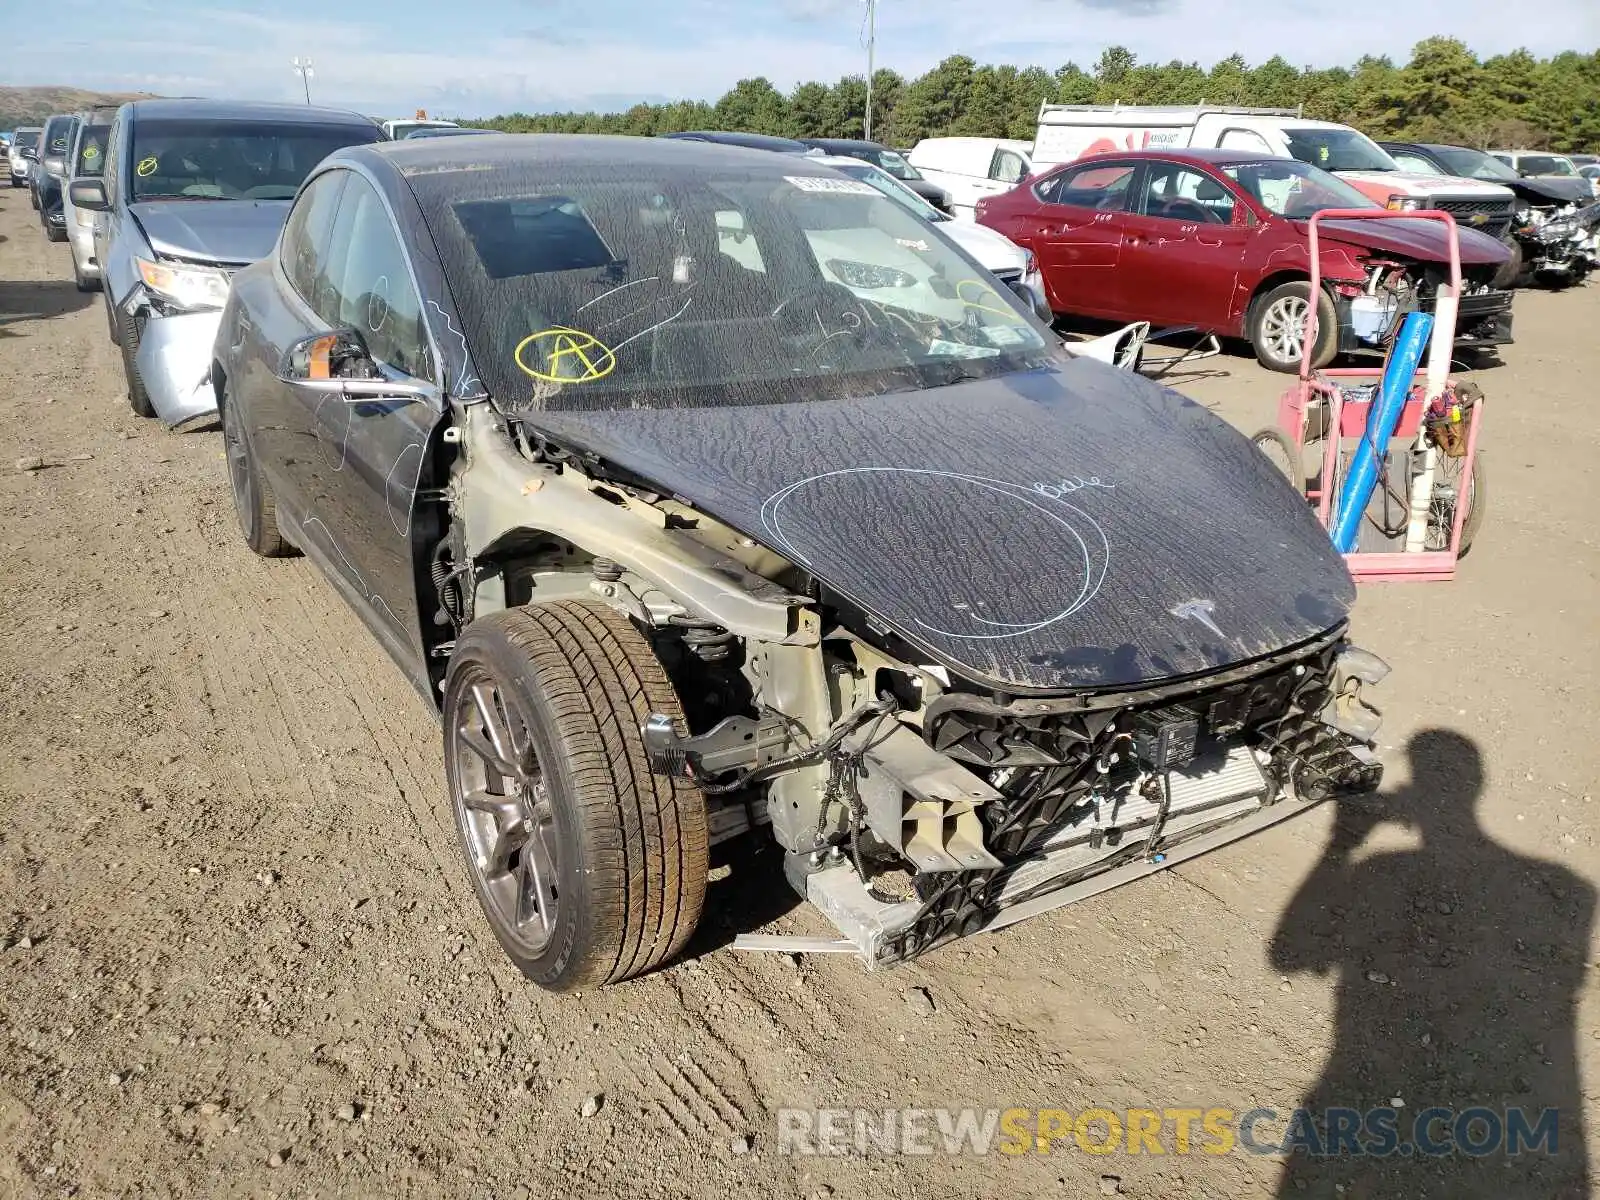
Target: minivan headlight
(184, 286)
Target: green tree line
(1444, 93)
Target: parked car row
(1196, 216)
(164, 200)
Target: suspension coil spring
(706, 641)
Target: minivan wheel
(590, 868)
(128, 329)
(1278, 325)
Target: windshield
(1473, 164)
(400, 129)
(1545, 164)
(25, 139)
(1337, 150)
(893, 163)
(1287, 188)
(232, 160)
(58, 135)
(91, 160)
(676, 287)
(892, 188)
(446, 131)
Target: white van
(1071, 131)
(970, 168)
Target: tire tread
(643, 836)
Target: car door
(1076, 235)
(299, 302)
(352, 467)
(1183, 245)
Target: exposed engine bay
(1371, 312)
(913, 806)
(1560, 243)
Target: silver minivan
(87, 161)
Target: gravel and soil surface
(239, 954)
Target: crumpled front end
(174, 360)
(1005, 810)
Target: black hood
(1542, 192)
(1067, 528)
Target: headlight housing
(183, 286)
(1406, 203)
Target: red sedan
(1217, 239)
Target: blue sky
(481, 57)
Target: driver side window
(372, 282)
(1183, 194)
(303, 249)
(1008, 167)
(1097, 185)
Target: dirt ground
(239, 954)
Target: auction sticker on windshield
(569, 356)
(815, 183)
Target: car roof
(1193, 157)
(844, 143)
(244, 110)
(757, 141)
(516, 159)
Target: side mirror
(339, 362)
(31, 154)
(55, 166)
(88, 194)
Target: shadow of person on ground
(37, 300)
(1459, 967)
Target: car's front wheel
(590, 868)
(1278, 327)
(128, 331)
(252, 495)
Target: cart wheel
(1447, 487)
(1283, 454)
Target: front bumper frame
(174, 360)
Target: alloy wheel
(1283, 328)
(503, 807)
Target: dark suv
(50, 171)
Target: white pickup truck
(1071, 131)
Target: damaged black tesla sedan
(710, 494)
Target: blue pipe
(1381, 422)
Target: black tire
(253, 501)
(55, 235)
(612, 857)
(1477, 489)
(128, 338)
(1283, 454)
(33, 199)
(1508, 275)
(1272, 323)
